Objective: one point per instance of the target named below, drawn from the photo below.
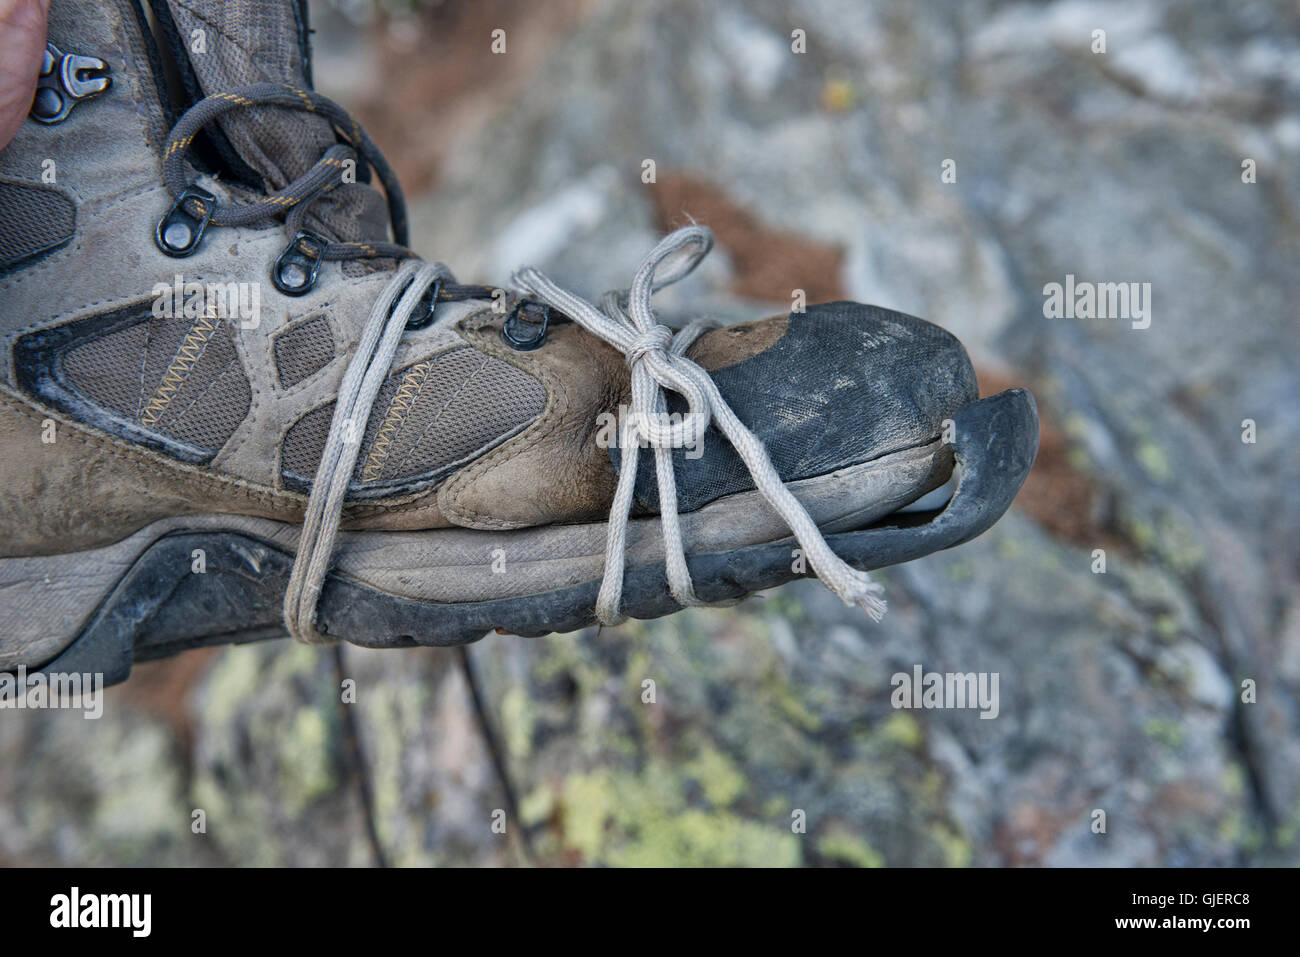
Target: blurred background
(822, 170)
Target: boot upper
(165, 408)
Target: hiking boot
(234, 405)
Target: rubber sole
(48, 599)
(159, 606)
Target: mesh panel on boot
(302, 350)
(304, 444)
(428, 417)
(32, 219)
(180, 378)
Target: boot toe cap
(840, 384)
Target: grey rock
(1119, 692)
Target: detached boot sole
(143, 599)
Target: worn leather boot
(233, 404)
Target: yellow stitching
(307, 103)
(398, 409)
(180, 368)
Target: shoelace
(362, 379)
(381, 335)
(295, 199)
(655, 354)
(657, 357)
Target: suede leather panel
(555, 471)
(722, 348)
(87, 488)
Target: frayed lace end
(870, 598)
(861, 591)
(873, 606)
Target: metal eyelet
(425, 308)
(64, 81)
(523, 334)
(295, 269)
(179, 231)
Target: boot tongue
(265, 41)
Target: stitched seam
(186, 358)
(398, 409)
(138, 95)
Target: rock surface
(1120, 692)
